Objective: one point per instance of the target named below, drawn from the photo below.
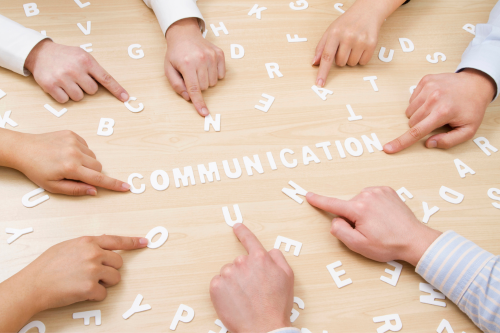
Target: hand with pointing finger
(377, 225)
(59, 162)
(456, 99)
(72, 271)
(66, 72)
(192, 64)
(254, 294)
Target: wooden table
(169, 134)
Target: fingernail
(388, 147)
(91, 191)
(314, 60)
(124, 96)
(185, 95)
(432, 144)
(143, 241)
(204, 112)
(236, 225)
(320, 83)
(126, 186)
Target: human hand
(254, 294)
(381, 227)
(457, 99)
(66, 72)
(59, 162)
(72, 271)
(192, 64)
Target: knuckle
(327, 56)
(415, 132)
(88, 288)
(360, 206)
(240, 260)
(226, 271)
(69, 167)
(194, 88)
(86, 239)
(76, 191)
(215, 284)
(106, 78)
(98, 178)
(436, 94)
(260, 254)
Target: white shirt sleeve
(170, 11)
(16, 43)
(483, 53)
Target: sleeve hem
(169, 12)
(429, 249)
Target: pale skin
(254, 294)
(72, 271)
(192, 64)
(455, 99)
(67, 72)
(352, 38)
(59, 162)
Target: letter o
(159, 242)
(154, 180)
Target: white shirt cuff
(170, 11)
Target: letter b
(106, 123)
(31, 9)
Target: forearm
(382, 8)
(8, 143)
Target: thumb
(70, 187)
(351, 237)
(176, 81)
(451, 138)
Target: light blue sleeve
(483, 53)
(468, 275)
(286, 330)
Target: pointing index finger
(107, 81)
(247, 238)
(113, 243)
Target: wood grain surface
(169, 134)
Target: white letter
(306, 159)
(105, 123)
(293, 193)
(299, 2)
(154, 180)
(404, 191)
(38, 324)
(179, 317)
(296, 39)
(353, 115)
(388, 326)
(335, 275)
(284, 161)
(221, 27)
(289, 242)
(219, 323)
(409, 48)
(431, 299)
(237, 169)
(29, 204)
(348, 146)
(491, 194)
(325, 146)
(87, 315)
(212, 169)
(470, 28)
(16, 233)
(138, 55)
(272, 164)
(435, 58)
(2, 93)
(340, 149)
(267, 104)
(241, 51)
(395, 273)
(462, 172)
(374, 142)
(6, 120)
(412, 89)
(210, 121)
(443, 193)
(295, 313)
(227, 215)
(428, 212)
(131, 183)
(272, 68)
(249, 164)
(81, 5)
(444, 324)
(188, 172)
(321, 92)
(257, 11)
(152, 233)
(132, 109)
(54, 111)
(85, 31)
(381, 55)
(136, 307)
(372, 81)
(30, 9)
(484, 144)
(337, 7)
(87, 47)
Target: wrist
(30, 62)
(9, 152)
(486, 86)
(421, 240)
(183, 28)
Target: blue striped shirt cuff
(286, 330)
